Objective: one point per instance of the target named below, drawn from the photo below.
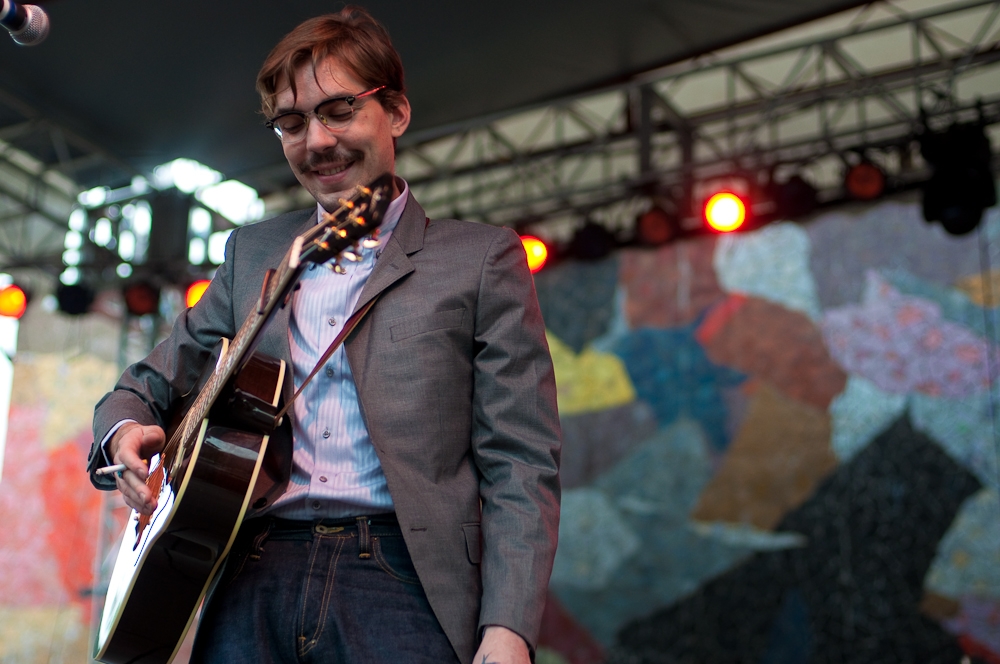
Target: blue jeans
(341, 591)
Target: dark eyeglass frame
(284, 137)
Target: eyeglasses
(335, 113)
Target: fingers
(133, 445)
(134, 491)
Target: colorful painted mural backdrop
(779, 447)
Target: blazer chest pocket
(436, 320)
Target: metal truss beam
(813, 105)
(40, 167)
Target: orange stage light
(195, 291)
(537, 252)
(725, 212)
(13, 301)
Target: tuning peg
(350, 255)
(369, 243)
(338, 268)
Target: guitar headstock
(357, 217)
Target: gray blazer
(457, 390)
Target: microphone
(28, 25)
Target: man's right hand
(133, 445)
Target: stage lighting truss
(806, 105)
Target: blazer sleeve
(515, 441)
(150, 389)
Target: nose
(318, 137)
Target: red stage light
(13, 301)
(865, 181)
(141, 299)
(195, 291)
(537, 252)
(725, 212)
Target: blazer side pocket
(436, 320)
(473, 542)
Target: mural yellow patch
(43, 635)
(983, 289)
(70, 388)
(590, 381)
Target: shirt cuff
(108, 437)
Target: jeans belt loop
(364, 541)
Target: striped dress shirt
(335, 471)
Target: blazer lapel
(394, 263)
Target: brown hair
(354, 36)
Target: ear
(399, 117)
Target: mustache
(334, 156)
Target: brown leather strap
(349, 326)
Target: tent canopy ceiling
(153, 81)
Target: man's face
(330, 163)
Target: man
(435, 423)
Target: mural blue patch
(963, 427)
(672, 373)
(577, 299)
(607, 574)
(859, 414)
(771, 263)
(967, 561)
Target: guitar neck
(337, 231)
(280, 286)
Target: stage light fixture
(962, 185)
(725, 212)
(141, 298)
(794, 198)
(195, 291)
(74, 299)
(592, 242)
(655, 227)
(13, 301)
(537, 252)
(864, 181)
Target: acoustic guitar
(205, 476)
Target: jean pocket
(392, 556)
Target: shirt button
(332, 321)
(329, 372)
(316, 505)
(322, 478)
(326, 434)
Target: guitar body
(165, 568)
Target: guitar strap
(349, 326)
